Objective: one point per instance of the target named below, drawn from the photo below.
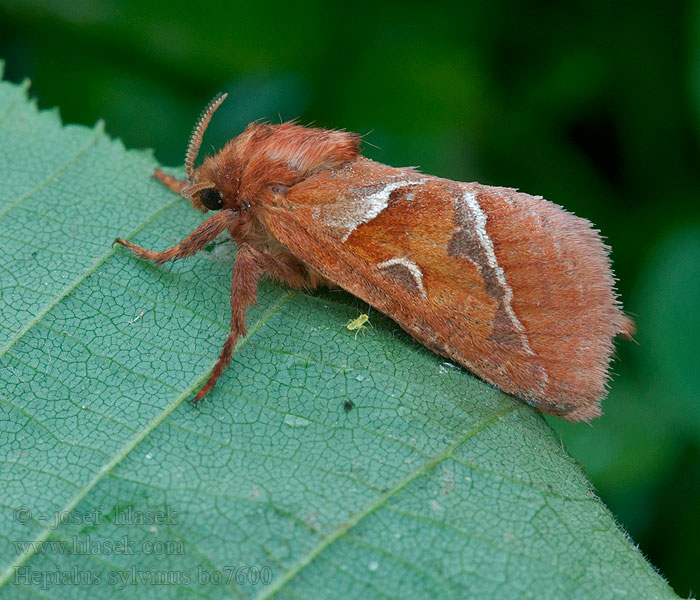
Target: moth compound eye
(211, 198)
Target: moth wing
(509, 285)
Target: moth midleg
(250, 264)
(246, 272)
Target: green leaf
(339, 465)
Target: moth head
(202, 190)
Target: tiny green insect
(357, 324)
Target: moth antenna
(198, 132)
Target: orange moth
(510, 286)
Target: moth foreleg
(169, 181)
(246, 272)
(199, 238)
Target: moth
(510, 286)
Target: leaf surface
(327, 462)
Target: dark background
(594, 107)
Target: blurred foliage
(595, 106)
